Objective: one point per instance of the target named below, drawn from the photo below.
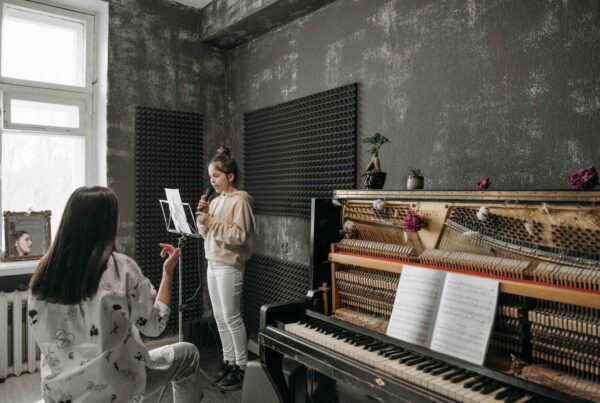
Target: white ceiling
(194, 3)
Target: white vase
(415, 182)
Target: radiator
(18, 351)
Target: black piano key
(377, 347)
(503, 394)
(409, 357)
(492, 387)
(461, 377)
(327, 327)
(440, 371)
(394, 351)
(429, 370)
(513, 397)
(426, 364)
(455, 372)
(372, 344)
(363, 342)
(474, 381)
(360, 339)
(343, 334)
(386, 349)
(415, 361)
(400, 354)
(479, 385)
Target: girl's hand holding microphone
(202, 210)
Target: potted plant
(373, 177)
(415, 180)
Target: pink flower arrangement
(483, 184)
(584, 178)
(413, 222)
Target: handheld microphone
(208, 193)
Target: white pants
(225, 290)
(178, 364)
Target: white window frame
(48, 96)
(90, 98)
(90, 51)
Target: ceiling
(194, 3)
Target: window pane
(41, 171)
(42, 47)
(42, 113)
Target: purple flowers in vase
(584, 178)
(483, 184)
(413, 222)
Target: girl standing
(88, 305)
(228, 228)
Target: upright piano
(544, 249)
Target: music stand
(174, 228)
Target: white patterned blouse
(92, 352)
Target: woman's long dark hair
(71, 270)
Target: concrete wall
(156, 60)
(464, 89)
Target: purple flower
(483, 184)
(584, 178)
(413, 222)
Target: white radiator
(18, 351)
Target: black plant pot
(374, 180)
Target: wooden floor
(26, 388)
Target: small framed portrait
(26, 235)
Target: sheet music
(177, 212)
(416, 304)
(465, 317)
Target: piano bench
(257, 386)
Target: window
(46, 76)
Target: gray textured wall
(464, 89)
(156, 60)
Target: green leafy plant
(414, 173)
(376, 141)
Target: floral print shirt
(92, 352)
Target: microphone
(209, 193)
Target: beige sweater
(230, 230)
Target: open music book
(446, 312)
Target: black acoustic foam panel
(301, 149)
(168, 154)
(267, 280)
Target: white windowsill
(16, 268)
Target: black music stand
(173, 227)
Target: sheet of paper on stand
(177, 211)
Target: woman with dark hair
(21, 244)
(228, 228)
(87, 306)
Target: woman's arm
(164, 290)
(150, 311)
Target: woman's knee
(188, 353)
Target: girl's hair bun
(223, 152)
